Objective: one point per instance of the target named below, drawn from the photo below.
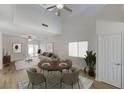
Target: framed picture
(16, 48)
(49, 47)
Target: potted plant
(90, 59)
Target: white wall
(34, 15)
(75, 30)
(8, 42)
(108, 27)
(1, 52)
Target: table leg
(68, 70)
(47, 72)
(43, 71)
(61, 71)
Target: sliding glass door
(32, 50)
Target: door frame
(109, 27)
(122, 63)
(98, 76)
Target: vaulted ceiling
(83, 8)
(24, 20)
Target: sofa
(47, 56)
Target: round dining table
(55, 65)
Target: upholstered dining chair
(35, 78)
(70, 78)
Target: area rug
(24, 64)
(53, 82)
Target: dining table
(55, 65)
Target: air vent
(45, 25)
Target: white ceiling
(83, 8)
(7, 25)
(11, 26)
(76, 8)
(23, 31)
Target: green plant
(90, 59)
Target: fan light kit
(59, 6)
(29, 38)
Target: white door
(110, 59)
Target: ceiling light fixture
(59, 6)
(29, 38)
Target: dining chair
(35, 78)
(70, 78)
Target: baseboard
(97, 79)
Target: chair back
(34, 77)
(70, 78)
(75, 75)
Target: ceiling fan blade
(51, 7)
(68, 9)
(54, 10)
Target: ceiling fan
(58, 7)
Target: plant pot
(86, 69)
(91, 73)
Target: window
(78, 49)
(32, 50)
(73, 49)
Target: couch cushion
(44, 58)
